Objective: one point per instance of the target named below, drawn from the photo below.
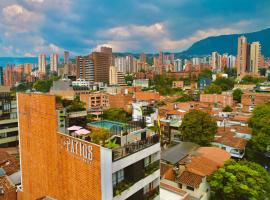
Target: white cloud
(19, 19)
(35, 1)
(156, 36)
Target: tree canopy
(99, 136)
(116, 114)
(237, 95)
(206, 73)
(225, 83)
(43, 85)
(227, 109)
(260, 124)
(241, 180)
(198, 127)
(184, 98)
(213, 89)
(252, 80)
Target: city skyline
(31, 27)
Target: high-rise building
(231, 61)
(8, 118)
(255, 54)
(242, 56)
(1, 76)
(129, 64)
(27, 68)
(106, 50)
(120, 64)
(143, 58)
(216, 61)
(60, 165)
(42, 63)
(113, 75)
(9, 75)
(66, 57)
(102, 63)
(85, 68)
(178, 65)
(53, 62)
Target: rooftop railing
(121, 152)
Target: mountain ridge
(221, 43)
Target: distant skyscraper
(216, 61)
(27, 68)
(66, 57)
(106, 50)
(231, 61)
(113, 75)
(9, 75)
(1, 76)
(53, 62)
(242, 51)
(255, 55)
(102, 62)
(178, 65)
(85, 68)
(143, 58)
(42, 63)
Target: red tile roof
(190, 179)
(228, 138)
(9, 163)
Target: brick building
(222, 99)
(121, 101)
(62, 167)
(95, 100)
(251, 100)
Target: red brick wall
(47, 167)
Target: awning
(74, 128)
(82, 132)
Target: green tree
(99, 136)
(184, 98)
(213, 89)
(129, 79)
(237, 95)
(116, 114)
(260, 124)
(206, 73)
(241, 180)
(43, 85)
(198, 127)
(225, 83)
(227, 109)
(252, 80)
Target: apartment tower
(242, 56)
(42, 63)
(255, 55)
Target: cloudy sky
(29, 27)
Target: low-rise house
(147, 96)
(10, 176)
(230, 142)
(251, 100)
(222, 99)
(188, 172)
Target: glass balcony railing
(152, 194)
(151, 168)
(120, 152)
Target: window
(147, 161)
(190, 188)
(117, 177)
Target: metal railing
(121, 152)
